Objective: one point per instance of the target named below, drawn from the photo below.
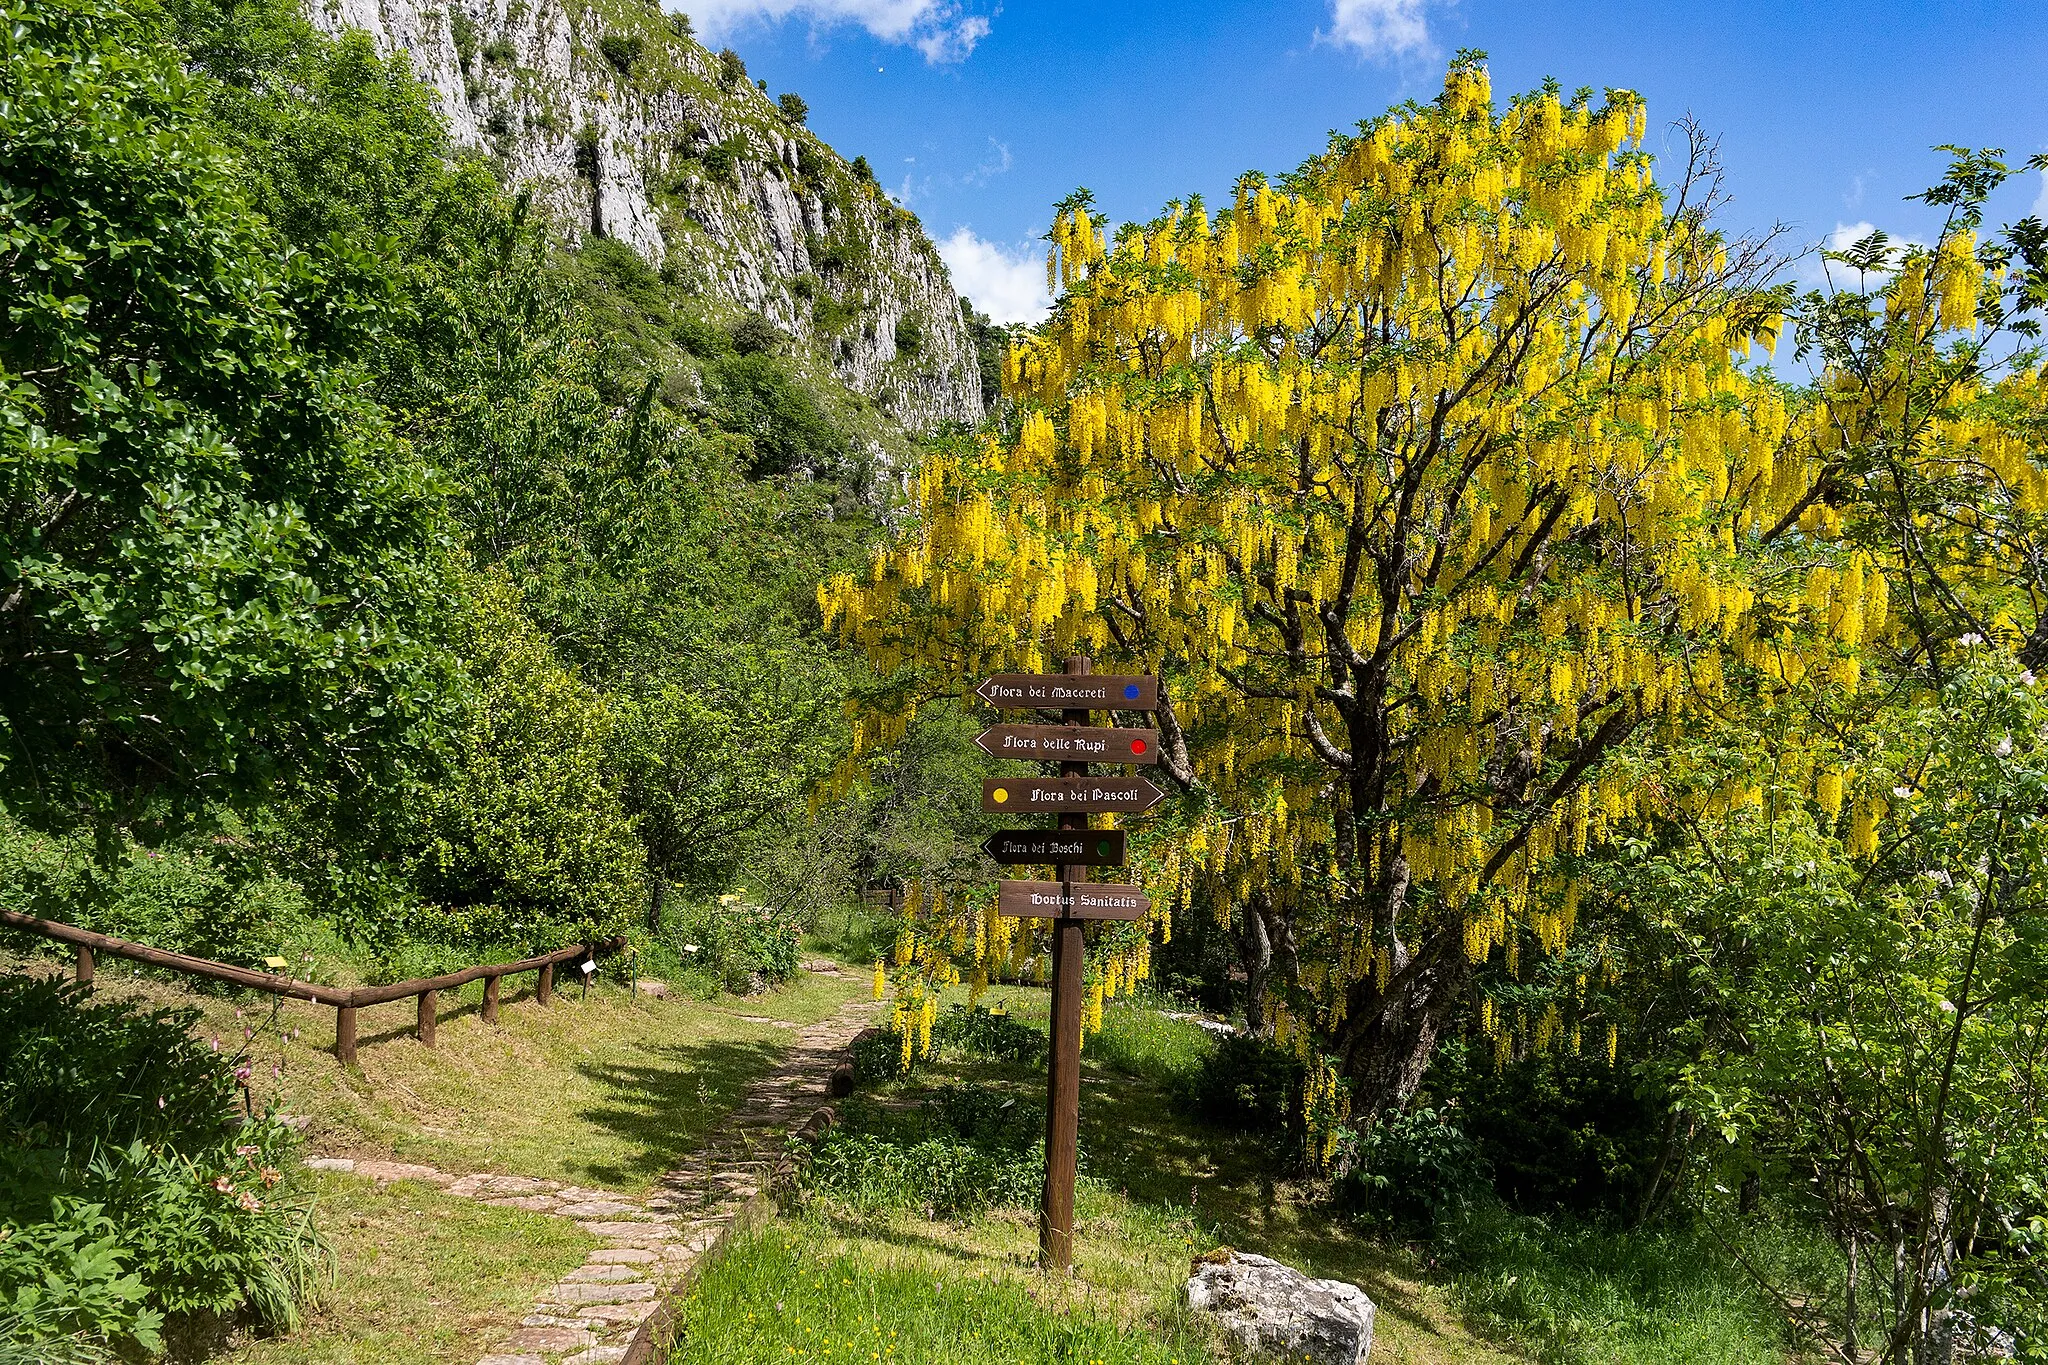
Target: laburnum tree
(1436, 483)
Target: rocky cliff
(625, 127)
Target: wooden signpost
(1072, 901)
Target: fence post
(544, 988)
(84, 965)
(345, 1034)
(429, 1001)
(491, 999)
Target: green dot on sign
(1102, 849)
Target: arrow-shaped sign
(1070, 743)
(1075, 900)
(1069, 691)
(1069, 793)
(1057, 847)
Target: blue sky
(980, 115)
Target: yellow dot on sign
(1002, 794)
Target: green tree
(524, 839)
(218, 564)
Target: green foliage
(795, 110)
(728, 945)
(1410, 1169)
(1138, 1040)
(622, 50)
(731, 69)
(207, 891)
(992, 1033)
(67, 1280)
(130, 1190)
(762, 400)
(1249, 1084)
(754, 335)
(909, 336)
(524, 838)
(220, 566)
(80, 1072)
(965, 1149)
(1556, 1131)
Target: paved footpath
(647, 1242)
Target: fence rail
(345, 1000)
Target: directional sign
(1069, 793)
(1069, 691)
(1065, 847)
(1070, 743)
(1074, 900)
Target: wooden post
(1063, 1074)
(491, 999)
(345, 1034)
(429, 1004)
(84, 965)
(544, 986)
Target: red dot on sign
(1137, 746)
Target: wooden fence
(346, 1002)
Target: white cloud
(1379, 28)
(2041, 204)
(1816, 272)
(947, 44)
(937, 28)
(1007, 283)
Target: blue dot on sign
(1130, 691)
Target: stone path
(652, 1243)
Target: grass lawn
(609, 1090)
(421, 1278)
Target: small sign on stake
(1070, 692)
(1074, 900)
(1070, 743)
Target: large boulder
(1276, 1310)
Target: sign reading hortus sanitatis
(1070, 692)
(1071, 900)
(1069, 794)
(1070, 743)
(1063, 847)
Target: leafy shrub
(130, 1191)
(1250, 1084)
(991, 1033)
(499, 52)
(209, 894)
(622, 50)
(863, 170)
(909, 336)
(754, 335)
(966, 1149)
(731, 945)
(1410, 1169)
(877, 1056)
(1557, 1131)
(680, 25)
(731, 69)
(763, 400)
(80, 1072)
(68, 1279)
(793, 107)
(720, 158)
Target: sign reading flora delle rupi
(1070, 743)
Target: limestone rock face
(1275, 1310)
(624, 128)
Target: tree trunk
(1388, 1037)
(654, 906)
(1255, 947)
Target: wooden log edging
(345, 1002)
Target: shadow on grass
(665, 1104)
